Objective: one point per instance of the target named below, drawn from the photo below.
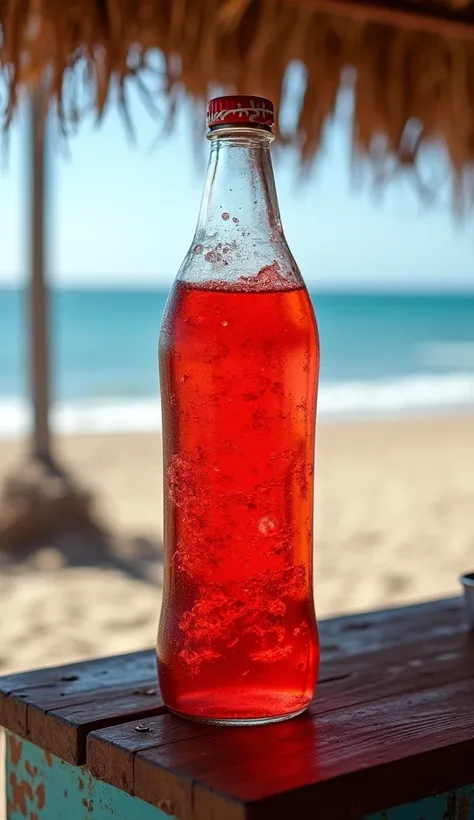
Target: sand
(394, 524)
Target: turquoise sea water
(381, 354)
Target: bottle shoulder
(263, 261)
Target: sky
(123, 213)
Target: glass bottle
(239, 364)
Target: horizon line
(339, 286)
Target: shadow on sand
(140, 557)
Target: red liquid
(238, 638)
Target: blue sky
(121, 213)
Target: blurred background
(391, 274)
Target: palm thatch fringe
(411, 87)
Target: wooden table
(389, 736)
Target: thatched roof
(414, 60)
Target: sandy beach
(394, 523)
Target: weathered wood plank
(111, 752)
(64, 731)
(343, 683)
(342, 764)
(57, 707)
(97, 673)
(368, 632)
(376, 675)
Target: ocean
(382, 355)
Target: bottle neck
(239, 240)
(239, 191)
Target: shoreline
(323, 420)
(412, 395)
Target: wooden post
(40, 497)
(38, 293)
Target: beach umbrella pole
(40, 499)
(38, 293)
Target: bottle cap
(240, 109)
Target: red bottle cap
(240, 109)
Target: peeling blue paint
(40, 786)
(456, 805)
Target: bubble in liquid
(266, 525)
(279, 653)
